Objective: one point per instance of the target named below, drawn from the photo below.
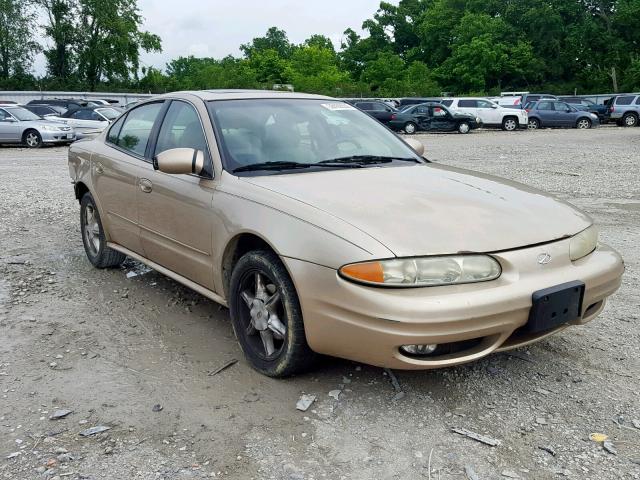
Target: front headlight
(593, 115)
(424, 271)
(583, 243)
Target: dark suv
(378, 110)
(66, 103)
(625, 110)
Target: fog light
(418, 349)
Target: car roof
(208, 95)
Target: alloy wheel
(32, 139)
(410, 128)
(263, 314)
(630, 120)
(92, 229)
(584, 123)
(533, 125)
(510, 125)
(464, 128)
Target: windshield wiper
(271, 166)
(365, 160)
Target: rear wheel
(630, 120)
(464, 127)
(266, 316)
(93, 237)
(533, 124)
(32, 139)
(583, 123)
(509, 124)
(410, 128)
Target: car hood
(432, 209)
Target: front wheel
(464, 127)
(534, 124)
(583, 124)
(32, 139)
(266, 316)
(93, 237)
(509, 124)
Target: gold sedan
(325, 233)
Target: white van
(491, 114)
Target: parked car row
(36, 124)
(509, 112)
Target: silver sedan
(19, 125)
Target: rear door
(547, 113)
(422, 116)
(468, 106)
(10, 129)
(116, 166)
(176, 223)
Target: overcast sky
(217, 28)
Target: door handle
(145, 185)
(99, 169)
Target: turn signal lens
(583, 243)
(424, 271)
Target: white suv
(491, 114)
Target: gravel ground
(134, 354)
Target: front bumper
(369, 325)
(57, 136)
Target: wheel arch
(235, 248)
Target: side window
(467, 104)
(439, 112)
(112, 136)
(484, 104)
(96, 116)
(181, 128)
(624, 100)
(562, 107)
(378, 107)
(421, 110)
(136, 129)
(545, 106)
(3, 115)
(447, 103)
(638, 100)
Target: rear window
(467, 104)
(447, 103)
(624, 100)
(134, 132)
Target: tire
(32, 139)
(266, 316)
(583, 123)
(93, 238)
(510, 124)
(534, 124)
(464, 128)
(629, 120)
(410, 128)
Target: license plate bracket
(555, 306)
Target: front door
(565, 114)
(115, 168)
(441, 119)
(176, 224)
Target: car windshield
(22, 114)
(282, 133)
(109, 113)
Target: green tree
(17, 46)
(110, 40)
(314, 68)
(275, 39)
(61, 29)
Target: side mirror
(416, 145)
(180, 161)
(494, 106)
